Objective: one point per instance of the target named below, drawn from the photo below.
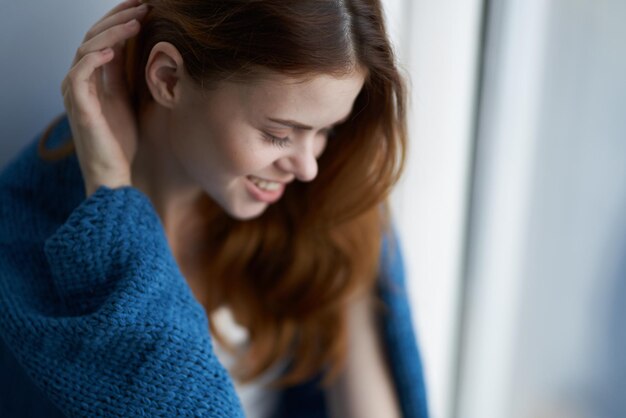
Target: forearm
(365, 388)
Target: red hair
(289, 274)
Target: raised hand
(96, 98)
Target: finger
(108, 38)
(81, 74)
(79, 83)
(66, 99)
(123, 5)
(116, 19)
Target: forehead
(317, 100)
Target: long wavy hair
(290, 274)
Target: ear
(164, 71)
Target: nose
(300, 160)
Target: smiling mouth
(264, 190)
(266, 185)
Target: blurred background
(512, 212)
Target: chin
(246, 211)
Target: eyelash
(283, 142)
(274, 140)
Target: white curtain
(543, 332)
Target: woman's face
(244, 143)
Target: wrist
(111, 182)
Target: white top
(258, 401)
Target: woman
(224, 157)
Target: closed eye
(276, 141)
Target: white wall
(38, 40)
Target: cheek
(242, 152)
(219, 149)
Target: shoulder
(36, 194)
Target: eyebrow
(300, 126)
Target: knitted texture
(127, 337)
(97, 320)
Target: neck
(157, 172)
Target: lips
(264, 190)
